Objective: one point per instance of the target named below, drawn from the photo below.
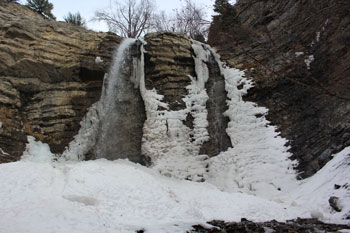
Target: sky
(87, 8)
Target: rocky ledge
(293, 226)
(50, 73)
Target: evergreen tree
(227, 15)
(43, 7)
(75, 19)
(221, 6)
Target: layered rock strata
(297, 53)
(50, 73)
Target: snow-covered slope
(37, 195)
(333, 180)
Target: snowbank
(332, 180)
(119, 196)
(40, 195)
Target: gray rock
(334, 203)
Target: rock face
(297, 53)
(168, 64)
(48, 78)
(216, 106)
(52, 72)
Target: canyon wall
(297, 53)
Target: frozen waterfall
(114, 128)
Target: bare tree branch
(129, 18)
(190, 20)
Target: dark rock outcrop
(245, 226)
(48, 78)
(297, 53)
(216, 106)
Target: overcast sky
(87, 8)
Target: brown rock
(48, 77)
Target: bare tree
(189, 20)
(164, 22)
(130, 18)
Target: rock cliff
(297, 53)
(50, 74)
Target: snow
(318, 35)
(3, 152)
(297, 54)
(309, 60)
(119, 196)
(321, 187)
(85, 139)
(37, 151)
(258, 163)
(98, 60)
(39, 195)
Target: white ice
(98, 60)
(309, 60)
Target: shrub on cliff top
(43, 7)
(75, 19)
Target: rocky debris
(168, 64)
(48, 78)
(297, 53)
(293, 226)
(334, 203)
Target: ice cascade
(257, 164)
(111, 129)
